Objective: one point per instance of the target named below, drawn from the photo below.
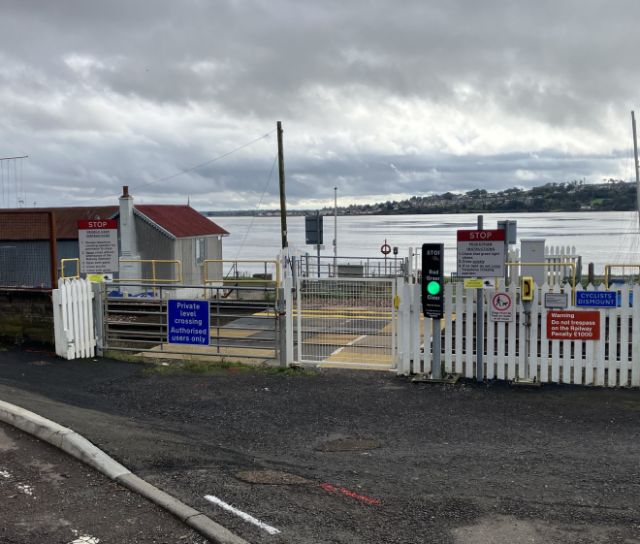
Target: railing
(309, 266)
(154, 279)
(609, 267)
(247, 330)
(271, 269)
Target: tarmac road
(47, 496)
(368, 457)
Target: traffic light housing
(527, 286)
(432, 280)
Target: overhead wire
(205, 163)
(185, 171)
(253, 217)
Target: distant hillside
(574, 196)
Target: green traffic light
(433, 288)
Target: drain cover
(349, 444)
(271, 477)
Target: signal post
(432, 294)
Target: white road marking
(85, 539)
(348, 344)
(243, 515)
(26, 489)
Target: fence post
(99, 290)
(281, 325)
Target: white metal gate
(349, 323)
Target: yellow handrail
(608, 267)
(253, 281)
(153, 278)
(62, 267)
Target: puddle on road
(271, 477)
(40, 363)
(348, 444)
(509, 529)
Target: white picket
(460, 317)
(567, 346)
(491, 335)
(635, 338)
(469, 363)
(625, 321)
(73, 319)
(612, 347)
(555, 351)
(544, 343)
(533, 334)
(599, 347)
(448, 327)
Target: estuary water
(599, 237)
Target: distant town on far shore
(573, 196)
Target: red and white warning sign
(98, 245)
(573, 325)
(501, 308)
(480, 253)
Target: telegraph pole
(635, 162)
(283, 204)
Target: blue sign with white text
(188, 322)
(596, 299)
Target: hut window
(200, 250)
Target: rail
(608, 267)
(242, 279)
(154, 272)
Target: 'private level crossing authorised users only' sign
(188, 322)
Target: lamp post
(335, 231)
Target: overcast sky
(383, 99)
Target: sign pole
(479, 324)
(436, 367)
(318, 246)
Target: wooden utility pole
(635, 162)
(283, 203)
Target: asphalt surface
(47, 496)
(367, 457)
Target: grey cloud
(243, 64)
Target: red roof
(181, 221)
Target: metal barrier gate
(246, 328)
(348, 323)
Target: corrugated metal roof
(181, 221)
(31, 224)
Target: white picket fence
(73, 319)
(556, 258)
(612, 361)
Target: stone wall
(26, 317)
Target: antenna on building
(9, 180)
